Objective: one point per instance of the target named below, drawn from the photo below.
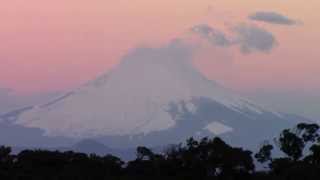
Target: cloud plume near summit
(249, 38)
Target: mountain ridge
(155, 96)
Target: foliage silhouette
(193, 160)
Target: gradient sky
(56, 45)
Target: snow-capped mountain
(154, 96)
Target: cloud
(214, 36)
(272, 18)
(250, 38)
(175, 52)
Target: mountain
(87, 146)
(90, 146)
(9, 99)
(155, 96)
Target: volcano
(154, 96)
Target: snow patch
(218, 128)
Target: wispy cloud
(214, 36)
(272, 17)
(250, 38)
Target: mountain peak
(137, 97)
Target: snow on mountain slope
(218, 128)
(135, 98)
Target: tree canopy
(206, 158)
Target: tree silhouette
(264, 153)
(6, 162)
(143, 152)
(298, 163)
(207, 158)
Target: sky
(49, 46)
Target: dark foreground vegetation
(194, 160)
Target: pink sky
(55, 45)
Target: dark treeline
(194, 160)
